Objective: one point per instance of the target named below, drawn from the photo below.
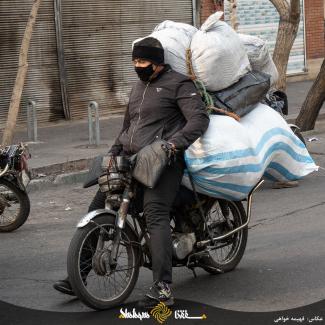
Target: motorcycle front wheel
(222, 217)
(92, 280)
(14, 206)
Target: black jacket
(168, 107)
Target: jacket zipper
(139, 118)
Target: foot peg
(212, 268)
(194, 273)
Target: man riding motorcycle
(163, 105)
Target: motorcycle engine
(183, 244)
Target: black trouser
(157, 203)
(98, 201)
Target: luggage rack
(204, 243)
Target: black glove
(170, 150)
(115, 150)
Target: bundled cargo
(231, 157)
(175, 39)
(259, 56)
(278, 100)
(243, 96)
(219, 58)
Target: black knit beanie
(149, 49)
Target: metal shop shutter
(42, 82)
(260, 18)
(97, 39)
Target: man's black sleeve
(117, 147)
(194, 111)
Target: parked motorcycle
(111, 244)
(14, 177)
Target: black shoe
(64, 286)
(159, 292)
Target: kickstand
(194, 273)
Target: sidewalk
(297, 92)
(63, 154)
(63, 148)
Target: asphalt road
(283, 266)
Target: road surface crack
(265, 221)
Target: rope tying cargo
(207, 99)
(189, 65)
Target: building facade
(81, 50)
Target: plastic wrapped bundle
(259, 56)
(175, 39)
(219, 58)
(231, 157)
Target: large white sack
(259, 56)
(219, 58)
(175, 39)
(231, 157)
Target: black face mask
(144, 74)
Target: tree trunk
(20, 78)
(287, 32)
(233, 14)
(313, 103)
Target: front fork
(120, 224)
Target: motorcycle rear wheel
(226, 259)
(100, 291)
(14, 206)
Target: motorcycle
(110, 245)
(14, 177)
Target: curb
(67, 173)
(58, 180)
(61, 168)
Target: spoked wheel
(93, 280)
(14, 206)
(223, 217)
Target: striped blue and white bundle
(231, 157)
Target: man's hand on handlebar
(170, 150)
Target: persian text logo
(125, 314)
(161, 312)
(183, 314)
